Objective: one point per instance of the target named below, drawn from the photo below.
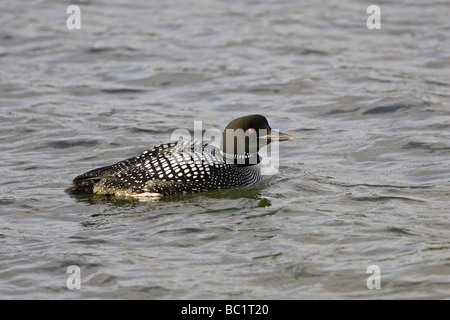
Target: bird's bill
(278, 136)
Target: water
(365, 182)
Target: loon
(187, 166)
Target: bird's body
(176, 167)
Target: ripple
(166, 80)
(64, 144)
(387, 109)
(365, 181)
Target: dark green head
(243, 137)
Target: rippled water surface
(365, 182)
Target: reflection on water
(247, 193)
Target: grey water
(365, 182)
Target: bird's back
(178, 167)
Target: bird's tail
(85, 183)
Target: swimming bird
(187, 166)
